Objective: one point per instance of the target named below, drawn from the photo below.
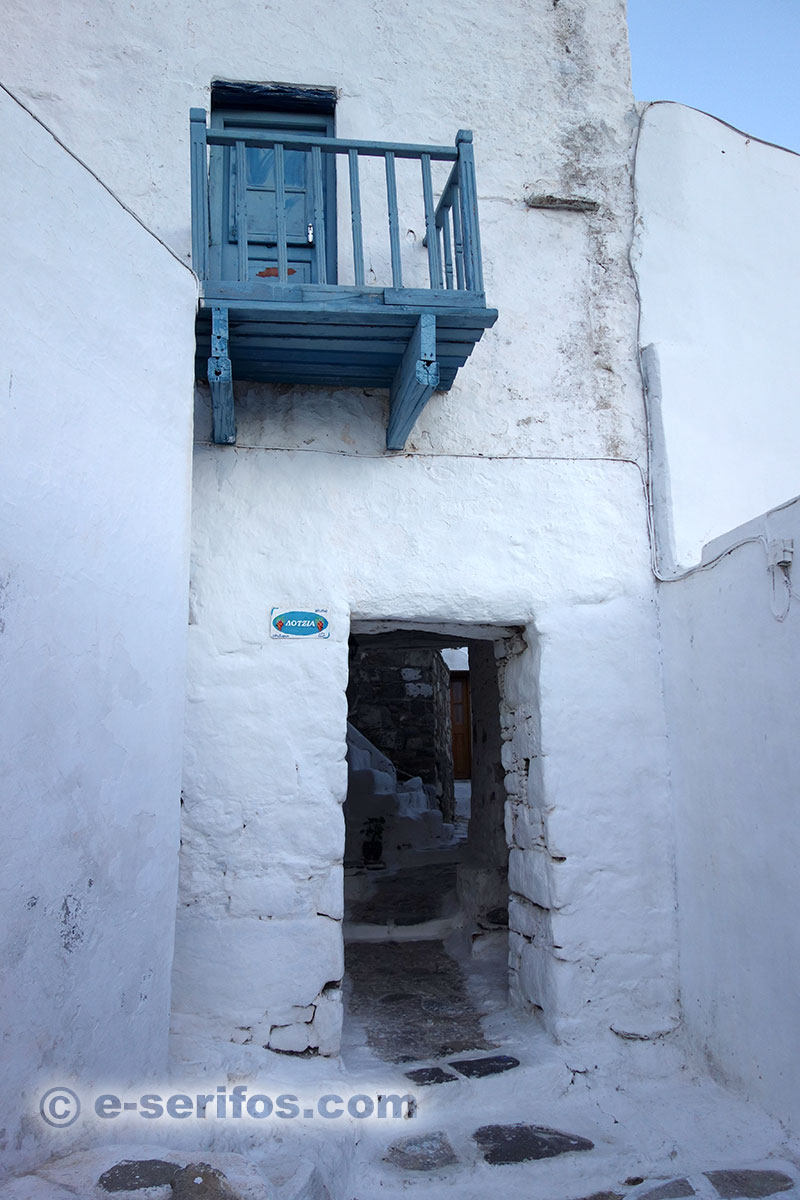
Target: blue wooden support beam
(431, 234)
(220, 379)
(468, 198)
(394, 223)
(199, 183)
(355, 219)
(267, 139)
(414, 380)
(320, 233)
(280, 214)
(241, 211)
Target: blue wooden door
(259, 183)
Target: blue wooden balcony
(266, 247)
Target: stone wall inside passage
(400, 700)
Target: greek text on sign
(299, 623)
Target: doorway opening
(426, 855)
(306, 212)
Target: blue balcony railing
(270, 251)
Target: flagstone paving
(752, 1185)
(479, 1068)
(502, 1144)
(410, 997)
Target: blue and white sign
(299, 623)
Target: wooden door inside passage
(461, 724)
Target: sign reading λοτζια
(299, 623)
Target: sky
(736, 59)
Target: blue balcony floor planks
(329, 335)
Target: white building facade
(155, 714)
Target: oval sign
(299, 623)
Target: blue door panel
(261, 196)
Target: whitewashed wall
(309, 511)
(94, 521)
(732, 660)
(560, 548)
(544, 87)
(717, 255)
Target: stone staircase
(410, 819)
